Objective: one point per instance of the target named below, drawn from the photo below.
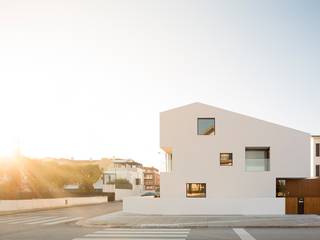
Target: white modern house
(221, 162)
(123, 169)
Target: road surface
(59, 224)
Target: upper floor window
(317, 149)
(257, 159)
(226, 159)
(206, 126)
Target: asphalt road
(56, 224)
(59, 224)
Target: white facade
(229, 189)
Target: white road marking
(140, 233)
(183, 236)
(63, 221)
(23, 220)
(243, 234)
(107, 238)
(12, 218)
(47, 220)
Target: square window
(257, 159)
(196, 190)
(206, 126)
(226, 159)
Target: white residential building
(221, 162)
(123, 169)
(316, 155)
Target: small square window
(206, 126)
(226, 159)
(196, 190)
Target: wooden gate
(291, 205)
(312, 205)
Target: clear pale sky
(88, 78)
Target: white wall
(120, 194)
(205, 206)
(197, 158)
(14, 205)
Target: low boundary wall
(206, 206)
(16, 205)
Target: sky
(87, 79)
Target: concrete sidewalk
(126, 220)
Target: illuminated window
(226, 159)
(196, 190)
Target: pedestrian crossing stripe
(64, 221)
(47, 220)
(137, 233)
(25, 220)
(39, 219)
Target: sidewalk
(126, 220)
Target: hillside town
(25, 178)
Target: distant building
(316, 154)
(151, 179)
(125, 178)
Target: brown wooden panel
(291, 205)
(312, 205)
(303, 187)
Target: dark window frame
(205, 190)
(214, 125)
(317, 149)
(230, 153)
(317, 170)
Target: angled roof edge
(243, 115)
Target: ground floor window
(280, 187)
(317, 170)
(196, 190)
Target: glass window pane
(206, 126)
(226, 159)
(257, 159)
(196, 190)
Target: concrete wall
(204, 206)
(14, 205)
(123, 193)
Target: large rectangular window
(317, 149)
(257, 159)
(196, 190)
(317, 170)
(206, 126)
(226, 159)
